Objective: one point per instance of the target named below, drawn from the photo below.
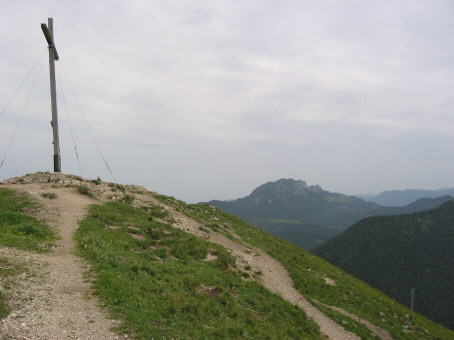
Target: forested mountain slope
(397, 253)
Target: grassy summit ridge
(163, 282)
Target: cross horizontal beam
(50, 40)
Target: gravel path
(54, 300)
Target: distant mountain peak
(319, 214)
(287, 186)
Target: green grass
(49, 195)
(84, 191)
(4, 311)
(307, 272)
(157, 280)
(96, 181)
(7, 273)
(348, 323)
(17, 229)
(4, 266)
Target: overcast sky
(208, 99)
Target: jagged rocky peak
(287, 187)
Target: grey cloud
(208, 99)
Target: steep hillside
(397, 253)
(307, 215)
(317, 280)
(166, 269)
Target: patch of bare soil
(54, 300)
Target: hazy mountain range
(397, 253)
(307, 215)
(399, 198)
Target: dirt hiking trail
(55, 302)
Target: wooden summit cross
(53, 55)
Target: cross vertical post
(53, 55)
